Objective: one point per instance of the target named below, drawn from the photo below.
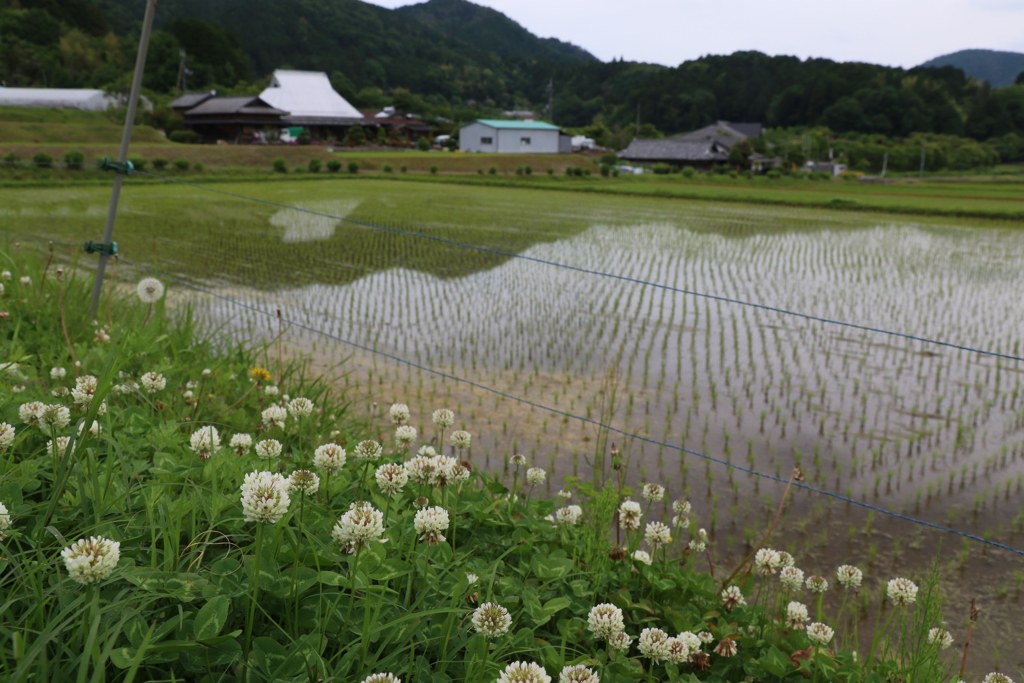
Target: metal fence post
(126, 137)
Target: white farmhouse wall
(508, 140)
(472, 135)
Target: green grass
(78, 134)
(62, 116)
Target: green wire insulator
(108, 164)
(92, 247)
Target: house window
(486, 141)
(524, 141)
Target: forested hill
(456, 60)
(998, 68)
(490, 30)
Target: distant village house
(64, 98)
(514, 137)
(702, 149)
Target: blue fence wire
(596, 423)
(588, 271)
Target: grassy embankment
(132, 443)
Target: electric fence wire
(596, 423)
(588, 271)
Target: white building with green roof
(513, 137)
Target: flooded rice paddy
(926, 431)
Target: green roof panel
(517, 125)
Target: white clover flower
(205, 441)
(101, 336)
(91, 560)
(443, 418)
(491, 620)
(382, 678)
(206, 372)
(58, 373)
(268, 449)
(629, 515)
(360, 526)
(535, 476)
(420, 469)
(902, 592)
(240, 444)
(273, 416)
(523, 672)
(61, 447)
(518, 460)
(767, 561)
(653, 643)
(653, 492)
(405, 435)
(786, 560)
(569, 515)
(264, 497)
(996, 677)
(150, 290)
(791, 578)
(605, 620)
(5, 521)
(459, 474)
(849, 576)
(620, 641)
(732, 598)
(461, 439)
(17, 388)
(6, 436)
(472, 578)
(329, 458)
(25, 280)
(94, 429)
(443, 473)
(29, 412)
(300, 407)
(271, 390)
(399, 413)
(796, 615)
(564, 494)
(657, 534)
(578, 674)
(54, 416)
(6, 276)
(368, 450)
(642, 556)
(820, 633)
(427, 450)
(153, 382)
(391, 478)
(726, 648)
(304, 481)
(940, 636)
(817, 584)
(430, 523)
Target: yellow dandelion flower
(260, 374)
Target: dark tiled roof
(674, 150)
(321, 121)
(751, 130)
(724, 132)
(248, 105)
(191, 99)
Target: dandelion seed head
(91, 560)
(491, 620)
(150, 290)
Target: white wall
(508, 140)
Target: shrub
(578, 172)
(528, 170)
(748, 174)
(609, 159)
(353, 167)
(605, 170)
(388, 169)
(185, 137)
(433, 169)
(615, 171)
(198, 166)
(479, 171)
(493, 170)
(159, 163)
(734, 175)
(773, 174)
(570, 170)
(138, 162)
(181, 164)
(315, 165)
(551, 171)
(304, 138)
(519, 170)
(423, 144)
(74, 159)
(662, 168)
(10, 159)
(586, 171)
(279, 166)
(688, 171)
(333, 165)
(403, 168)
(42, 160)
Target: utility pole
(182, 83)
(122, 157)
(923, 143)
(637, 119)
(885, 162)
(551, 99)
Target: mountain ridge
(999, 67)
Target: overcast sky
(893, 32)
